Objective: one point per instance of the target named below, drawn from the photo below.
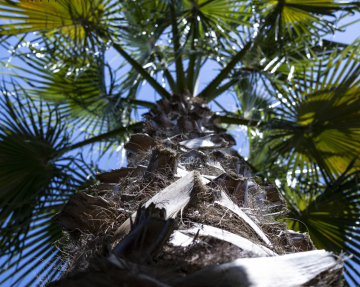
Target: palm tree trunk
(186, 212)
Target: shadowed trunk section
(148, 234)
(186, 212)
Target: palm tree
(296, 93)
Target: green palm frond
(80, 93)
(303, 19)
(316, 127)
(261, 43)
(215, 17)
(152, 53)
(146, 22)
(331, 215)
(280, 66)
(35, 180)
(252, 96)
(77, 27)
(69, 20)
(206, 27)
(146, 15)
(38, 255)
(292, 61)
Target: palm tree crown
(296, 93)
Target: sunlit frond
(292, 61)
(316, 125)
(215, 16)
(304, 19)
(72, 24)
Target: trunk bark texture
(186, 212)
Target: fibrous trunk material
(187, 211)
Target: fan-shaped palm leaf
(317, 126)
(252, 96)
(213, 20)
(206, 26)
(144, 38)
(291, 19)
(331, 216)
(291, 61)
(34, 178)
(72, 20)
(80, 93)
(37, 255)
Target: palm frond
(71, 23)
(303, 19)
(291, 61)
(217, 15)
(38, 255)
(35, 182)
(207, 26)
(211, 23)
(316, 127)
(80, 93)
(331, 215)
(252, 96)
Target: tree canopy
(296, 93)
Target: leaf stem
(162, 92)
(192, 57)
(207, 93)
(181, 83)
(239, 121)
(114, 132)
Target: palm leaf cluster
(77, 81)
(36, 178)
